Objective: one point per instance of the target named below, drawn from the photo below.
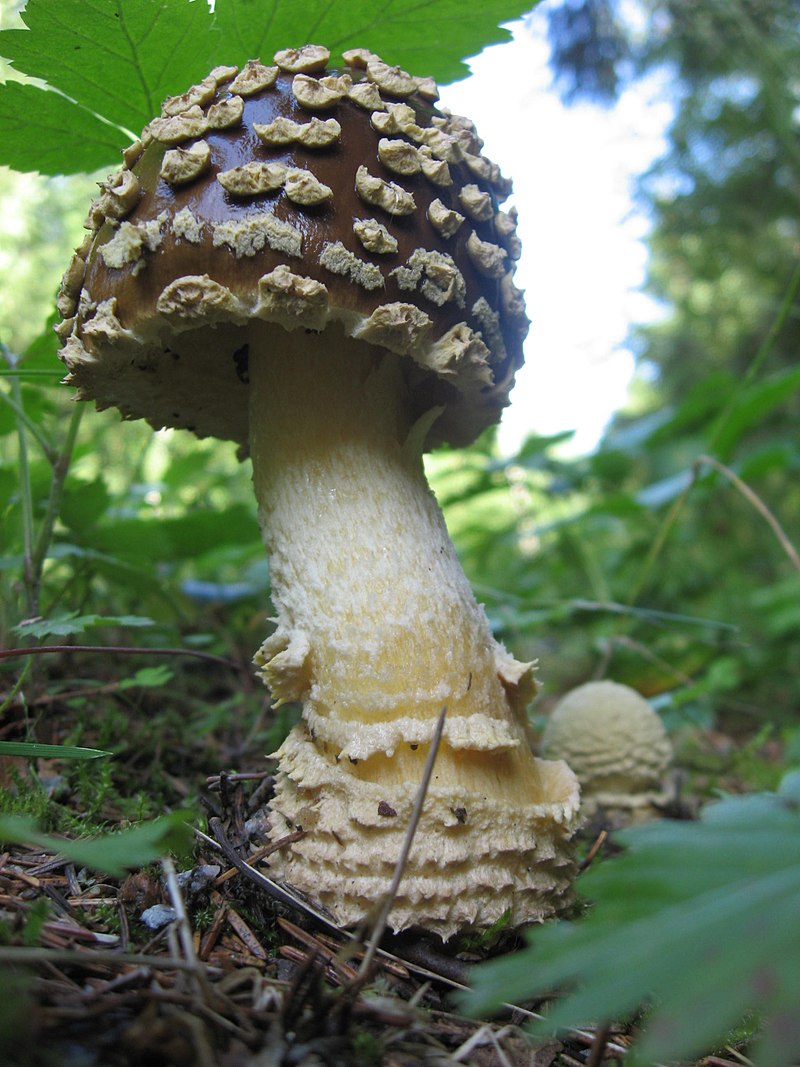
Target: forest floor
(194, 961)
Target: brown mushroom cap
(283, 195)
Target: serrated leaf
(46, 132)
(119, 59)
(112, 854)
(429, 38)
(699, 919)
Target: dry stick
(601, 839)
(416, 812)
(18, 955)
(598, 1048)
(481, 1037)
(125, 650)
(273, 889)
(182, 919)
(285, 896)
(757, 503)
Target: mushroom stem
(377, 630)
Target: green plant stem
(26, 498)
(16, 687)
(13, 400)
(60, 471)
(756, 502)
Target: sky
(583, 253)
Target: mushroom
(288, 280)
(616, 744)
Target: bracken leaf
(696, 920)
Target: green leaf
(84, 502)
(114, 853)
(44, 131)
(70, 623)
(429, 38)
(181, 537)
(754, 404)
(148, 678)
(116, 60)
(697, 919)
(34, 750)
